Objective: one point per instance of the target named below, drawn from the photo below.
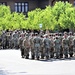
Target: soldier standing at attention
(42, 47)
(26, 45)
(47, 46)
(21, 44)
(61, 49)
(57, 44)
(37, 46)
(32, 46)
(51, 46)
(4, 40)
(70, 37)
(65, 45)
(74, 44)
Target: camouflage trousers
(51, 52)
(57, 51)
(66, 51)
(71, 51)
(26, 53)
(47, 52)
(22, 51)
(42, 52)
(32, 53)
(37, 52)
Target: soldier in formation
(41, 46)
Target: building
(27, 5)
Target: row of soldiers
(10, 39)
(41, 46)
(47, 46)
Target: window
(3, 3)
(74, 2)
(21, 7)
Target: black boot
(47, 57)
(71, 55)
(42, 56)
(27, 56)
(33, 57)
(38, 58)
(66, 56)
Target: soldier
(65, 44)
(42, 47)
(4, 40)
(70, 37)
(74, 44)
(7, 39)
(32, 46)
(37, 45)
(26, 45)
(61, 49)
(0, 42)
(47, 46)
(52, 47)
(21, 44)
(11, 41)
(57, 44)
(15, 37)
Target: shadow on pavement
(52, 60)
(2, 72)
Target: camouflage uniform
(15, 37)
(0, 42)
(74, 44)
(65, 45)
(7, 39)
(32, 47)
(51, 47)
(26, 45)
(21, 44)
(11, 41)
(4, 40)
(57, 45)
(47, 47)
(61, 49)
(37, 45)
(70, 37)
(42, 47)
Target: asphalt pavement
(11, 63)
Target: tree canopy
(60, 16)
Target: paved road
(11, 63)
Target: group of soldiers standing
(41, 45)
(46, 46)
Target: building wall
(32, 3)
(71, 1)
(43, 3)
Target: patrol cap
(36, 33)
(65, 32)
(70, 33)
